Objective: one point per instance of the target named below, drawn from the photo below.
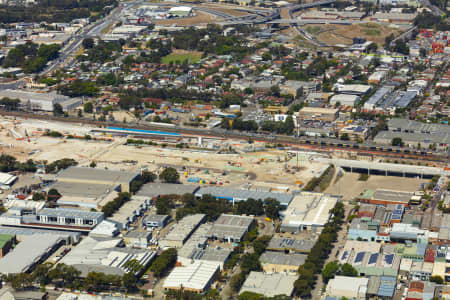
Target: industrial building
(349, 287)
(290, 245)
(7, 179)
(86, 175)
(308, 211)
(106, 255)
(155, 189)
(52, 218)
(235, 195)
(137, 239)
(130, 211)
(352, 89)
(280, 262)
(87, 195)
(397, 18)
(180, 11)
(182, 231)
(41, 101)
(345, 100)
(196, 278)
(354, 132)
(155, 221)
(318, 113)
(385, 197)
(414, 140)
(20, 234)
(378, 97)
(21, 259)
(299, 88)
(369, 263)
(230, 228)
(269, 285)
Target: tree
(53, 194)
(57, 109)
(129, 281)
(272, 208)
(329, 271)
(266, 56)
(38, 196)
(302, 288)
(88, 43)
(163, 263)
(397, 142)
(88, 107)
(169, 175)
(437, 279)
(250, 262)
(93, 164)
(147, 177)
(348, 270)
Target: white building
(345, 99)
(349, 287)
(41, 101)
(196, 277)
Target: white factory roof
(25, 204)
(184, 227)
(269, 284)
(196, 276)
(6, 178)
(309, 208)
(348, 285)
(104, 255)
(85, 174)
(20, 259)
(180, 8)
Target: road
(90, 31)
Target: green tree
(164, 263)
(397, 142)
(348, 270)
(169, 175)
(53, 195)
(88, 107)
(272, 208)
(437, 279)
(129, 281)
(88, 43)
(329, 271)
(57, 109)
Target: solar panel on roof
(389, 259)
(373, 258)
(359, 257)
(398, 212)
(345, 255)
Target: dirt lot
(199, 18)
(349, 185)
(344, 34)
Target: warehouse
(308, 211)
(290, 245)
(181, 231)
(377, 97)
(235, 195)
(69, 237)
(21, 259)
(52, 218)
(410, 126)
(7, 179)
(269, 285)
(41, 101)
(129, 212)
(415, 140)
(230, 228)
(180, 11)
(280, 262)
(318, 113)
(352, 89)
(155, 189)
(345, 100)
(385, 197)
(88, 195)
(398, 18)
(349, 287)
(98, 176)
(155, 221)
(106, 255)
(195, 278)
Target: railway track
(316, 144)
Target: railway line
(315, 144)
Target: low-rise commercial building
(349, 287)
(354, 132)
(230, 228)
(195, 278)
(290, 245)
(345, 100)
(308, 211)
(31, 251)
(280, 262)
(182, 231)
(318, 113)
(86, 175)
(155, 221)
(137, 239)
(269, 285)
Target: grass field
(192, 57)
